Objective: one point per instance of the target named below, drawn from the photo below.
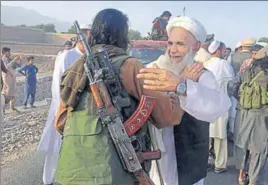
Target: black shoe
(32, 106)
(210, 167)
(220, 170)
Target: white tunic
(223, 73)
(51, 139)
(205, 102)
(202, 55)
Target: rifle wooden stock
(143, 178)
(95, 93)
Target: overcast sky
(230, 21)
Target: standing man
(185, 146)
(159, 26)
(29, 71)
(248, 62)
(88, 155)
(238, 58)
(228, 53)
(67, 46)
(9, 79)
(51, 139)
(223, 73)
(251, 134)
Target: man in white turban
(184, 147)
(223, 73)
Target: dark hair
(229, 49)
(110, 27)
(256, 47)
(166, 14)
(221, 46)
(261, 62)
(209, 38)
(68, 43)
(30, 58)
(5, 49)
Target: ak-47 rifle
(105, 88)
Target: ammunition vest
(89, 146)
(251, 94)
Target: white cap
(85, 26)
(214, 46)
(190, 24)
(238, 45)
(264, 44)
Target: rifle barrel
(87, 49)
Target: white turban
(264, 44)
(190, 24)
(85, 26)
(238, 45)
(214, 46)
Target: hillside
(13, 16)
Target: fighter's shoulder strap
(118, 61)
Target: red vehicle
(147, 50)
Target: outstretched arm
(204, 100)
(20, 70)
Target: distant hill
(13, 16)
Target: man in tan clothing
(9, 79)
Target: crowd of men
(204, 93)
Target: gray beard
(164, 62)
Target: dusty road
(27, 170)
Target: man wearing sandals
(251, 138)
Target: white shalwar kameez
(205, 102)
(51, 140)
(223, 73)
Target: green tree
(50, 28)
(134, 35)
(72, 30)
(263, 39)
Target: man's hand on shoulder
(193, 71)
(159, 79)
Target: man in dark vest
(238, 58)
(88, 155)
(159, 26)
(185, 157)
